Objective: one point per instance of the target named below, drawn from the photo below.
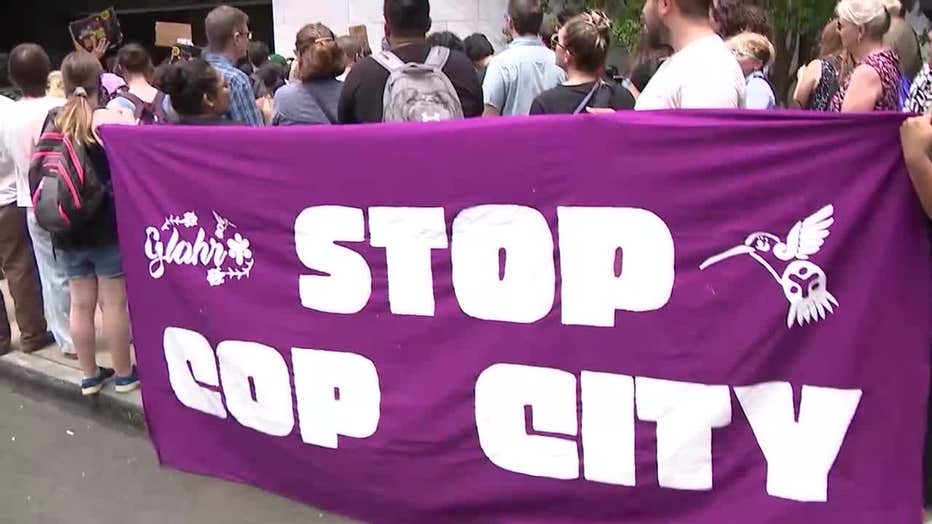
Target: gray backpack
(418, 92)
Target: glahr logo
(225, 257)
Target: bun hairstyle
(186, 83)
(80, 72)
(587, 37)
(872, 15)
(753, 45)
(319, 55)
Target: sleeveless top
(887, 65)
(821, 98)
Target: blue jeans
(97, 262)
(55, 291)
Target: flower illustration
(239, 248)
(215, 276)
(189, 219)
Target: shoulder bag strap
(585, 101)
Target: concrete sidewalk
(50, 371)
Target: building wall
(463, 17)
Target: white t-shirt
(702, 75)
(20, 128)
(7, 167)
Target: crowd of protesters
(694, 54)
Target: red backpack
(66, 188)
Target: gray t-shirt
(300, 103)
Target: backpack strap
(585, 101)
(158, 107)
(330, 117)
(437, 58)
(139, 105)
(388, 60)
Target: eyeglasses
(247, 34)
(555, 41)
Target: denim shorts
(102, 262)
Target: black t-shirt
(362, 97)
(565, 99)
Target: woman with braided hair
(581, 47)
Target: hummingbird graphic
(222, 225)
(803, 283)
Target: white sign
(462, 17)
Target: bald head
(29, 69)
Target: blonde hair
(588, 37)
(81, 75)
(872, 15)
(753, 45)
(55, 87)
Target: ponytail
(81, 75)
(75, 119)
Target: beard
(656, 33)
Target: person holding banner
(874, 84)
(702, 73)
(916, 135)
(90, 254)
(581, 48)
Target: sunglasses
(555, 41)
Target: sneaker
(127, 384)
(92, 386)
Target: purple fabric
(713, 178)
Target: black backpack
(65, 187)
(147, 113)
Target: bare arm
(808, 78)
(916, 135)
(863, 92)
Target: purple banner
(678, 318)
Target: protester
(29, 69)
(903, 39)
(702, 73)
(90, 252)
(7, 89)
(526, 69)
(228, 39)
(198, 93)
(269, 79)
(916, 135)
(352, 53)
(316, 99)
(446, 39)
(755, 54)
(54, 86)
(142, 101)
(733, 17)
(258, 54)
(817, 82)
(480, 51)
(16, 258)
(581, 49)
(920, 92)
(406, 25)
(873, 85)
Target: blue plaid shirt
(242, 98)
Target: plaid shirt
(242, 99)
